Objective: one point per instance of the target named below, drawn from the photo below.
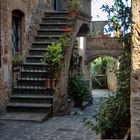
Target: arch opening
(102, 72)
(83, 31)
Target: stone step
(31, 96)
(41, 43)
(33, 71)
(30, 87)
(53, 25)
(38, 51)
(31, 79)
(32, 66)
(47, 38)
(34, 58)
(55, 20)
(33, 74)
(50, 31)
(57, 14)
(31, 117)
(29, 107)
(25, 98)
(29, 91)
(32, 83)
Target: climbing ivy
(114, 113)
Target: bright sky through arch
(96, 11)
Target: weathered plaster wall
(135, 77)
(111, 76)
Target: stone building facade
(135, 72)
(29, 12)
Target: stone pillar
(135, 74)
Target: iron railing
(33, 77)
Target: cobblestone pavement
(70, 127)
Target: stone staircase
(30, 99)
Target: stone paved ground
(70, 127)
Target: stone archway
(83, 30)
(101, 70)
(82, 34)
(103, 45)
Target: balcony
(85, 6)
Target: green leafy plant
(18, 59)
(75, 5)
(53, 55)
(111, 117)
(115, 111)
(64, 41)
(99, 64)
(78, 87)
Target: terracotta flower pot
(78, 102)
(68, 29)
(73, 13)
(49, 82)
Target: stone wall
(61, 105)
(33, 11)
(135, 77)
(97, 28)
(111, 76)
(102, 45)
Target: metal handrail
(31, 77)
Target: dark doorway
(58, 5)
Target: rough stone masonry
(135, 74)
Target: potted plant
(68, 29)
(18, 59)
(53, 58)
(78, 90)
(74, 7)
(65, 41)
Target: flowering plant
(18, 58)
